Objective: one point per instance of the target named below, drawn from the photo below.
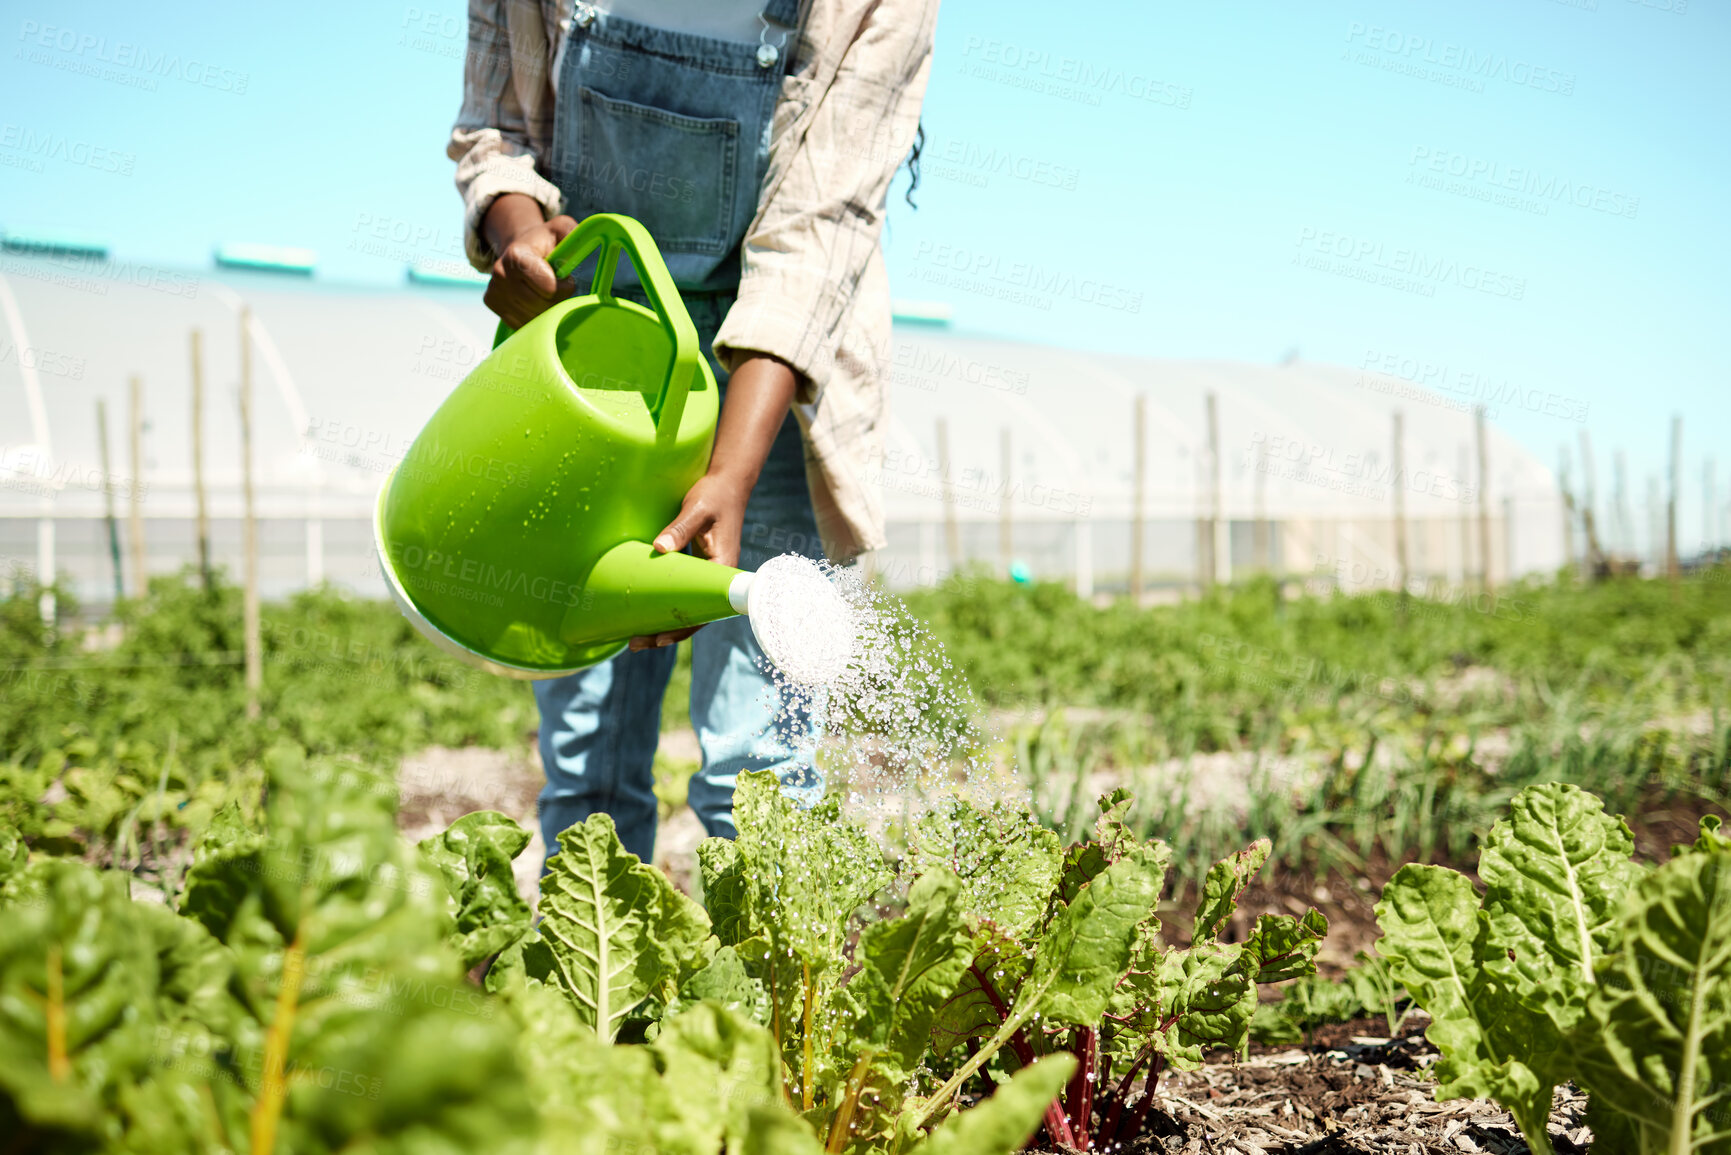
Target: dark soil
(1353, 1091)
(1349, 901)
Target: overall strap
(784, 12)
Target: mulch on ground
(1352, 1091)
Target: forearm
(509, 214)
(759, 393)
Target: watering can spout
(634, 591)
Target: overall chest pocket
(678, 175)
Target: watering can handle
(610, 233)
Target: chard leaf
(614, 926)
(1007, 862)
(777, 1132)
(357, 1018)
(908, 967)
(1083, 862)
(1110, 830)
(1437, 942)
(973, 1012)
(474, 857)
(193, 971)
(1206, 999)
(1284, 947)
(1709, 840)
(1183, 1002)
(722, 1066)
(1225, 883)
(1556, 871)
(1075, 969)
(1656, 1041)
(726, 982)
(78, 990)
(806, 871)
(1004, 1122)
(727, 894)
(225, 870)
(697, 1086)
(527, 959)
(595, 1096)
(1087, 948)
(786, 890)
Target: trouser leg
(599, 729)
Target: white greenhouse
(1021, 458)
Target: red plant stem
(1018, 1041)
(1122, 1092)
(1141, 1115)
(1079, 1095)
(1058, 1127)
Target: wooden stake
(1623, 540)
(1138, 495)
(1402, 575)
(254, 645)
(203, 513)
(1673, 567)
(1466, 546)
(952, 533)
(1262, 532)
(1589, 504)
(108, 499)
(1568, 505)
(135, 511)
(1655, 526)
(1006, 547)
(1508, 538)
(1709, 503)
(1484, 501)
(1218, 563)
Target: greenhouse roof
(345, 376)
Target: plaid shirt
(813, 290)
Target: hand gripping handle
(612, 233)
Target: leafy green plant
(1066, 955)
(474, 855)
(839, 1037)
(1577, 964)
(302, 996)
(1654, 1046)
(1368, 988)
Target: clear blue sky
(1194, 161)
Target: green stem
(948, 1090)
(1683, 1094)
(274, 1086)
(810, 1026)
(59, 1066)
(850, 1103)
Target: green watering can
(515, 531)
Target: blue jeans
(600, 726)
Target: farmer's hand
(523, 284)
(710, 519)
(759, 394)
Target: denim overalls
(673, 129)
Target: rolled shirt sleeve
(821, 212)
(507, 107)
